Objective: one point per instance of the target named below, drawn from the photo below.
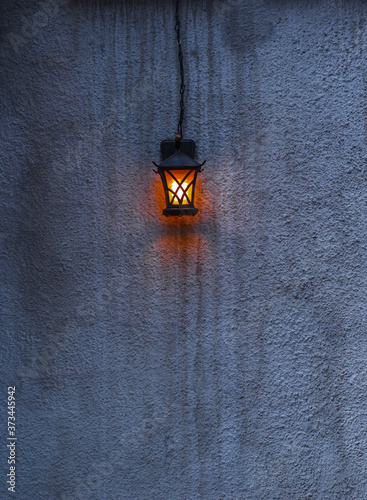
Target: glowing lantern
(178, 169)
(178, 172)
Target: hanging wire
(180, 58)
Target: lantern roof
(179, 159)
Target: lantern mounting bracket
(168, 148)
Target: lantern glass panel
(180, 184)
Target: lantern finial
(178, 141)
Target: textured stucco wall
(216, 357)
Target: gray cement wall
(217, 357)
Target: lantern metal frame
(179, 155)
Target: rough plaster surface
(216, 357)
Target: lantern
(178, 172)
(178, 169)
